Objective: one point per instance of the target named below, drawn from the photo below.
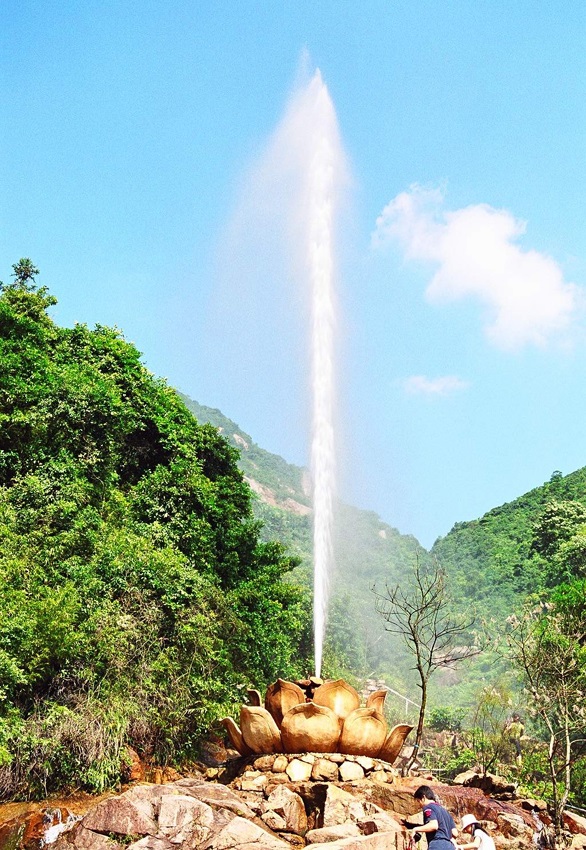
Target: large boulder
(84, 839)
(376, 841)
(341, 807)
(242, 833)
(332, 833)
(182, 817)
(152, 842)
(289, 807)
(574, 823)
(120, 816)
(217, 796)
(490, 783)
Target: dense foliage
(136, 596)
(527, 562)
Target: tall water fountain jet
(283, 231)
(297, 183)
(324, 169)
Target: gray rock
(121, 816)
(377, 841)
(341, 807)
(490, 783)
(182, 817)
(290, 807)
(264, 762)
(325, 769)
(242, 833)
(513, 826)
(298, 771)
(85, 839)
(254, 783)
(365, 762)
(152, 842)
(147, 798)
(274, 821)
(332, 833)
(350, 770)
(216, 796)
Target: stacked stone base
(258, 774)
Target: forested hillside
(136, 596)
(493, 561)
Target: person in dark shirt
(438, 824)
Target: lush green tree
(24, 274)
(488, 736)
(137, 597)
(549, 650)
(556, 525)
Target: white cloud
(444, 385)
(475, 252)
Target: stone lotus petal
(377, 700)
(363, 733)
(254, 697)
(310, 728)
(339, 696)
(394, 741)
(259, 730)
(281, 697)
(331, 721)
(235, 735)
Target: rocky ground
(279, 803)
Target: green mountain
(491, 560)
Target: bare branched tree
(419, 610)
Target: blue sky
(130, 130)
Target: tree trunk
(419, 732)
(554, 780)
(567, 775)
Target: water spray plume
(323, 176)
(284, 228)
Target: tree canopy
(136, 596)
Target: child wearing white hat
(480, 839)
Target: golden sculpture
(317, 717)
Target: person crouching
(480, 839)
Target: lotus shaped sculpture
(316, 717)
